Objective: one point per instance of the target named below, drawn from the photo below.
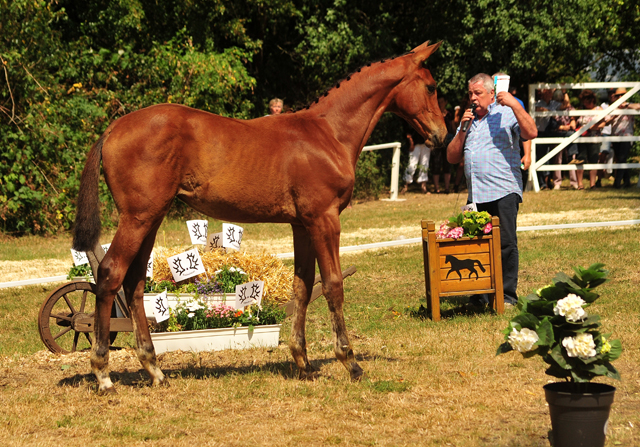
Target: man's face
(481, 97)
(546, 95)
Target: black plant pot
(579, 419)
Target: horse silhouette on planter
(307, 163)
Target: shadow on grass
(452, 306)
(286, 369)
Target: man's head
(481, 92)
(546, 95)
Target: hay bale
(278, 278)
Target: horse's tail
(87, 227)
(480, 265)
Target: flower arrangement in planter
(195, 315)
(555, 323)
(466, 224)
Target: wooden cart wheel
(55, 320)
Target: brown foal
(296, 168)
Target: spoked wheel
(60, 313)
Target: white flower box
(217, 339)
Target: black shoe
(598, 184)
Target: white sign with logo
(231, 236)
(249, 293)
(80, 257)
(161, 307)
(198, 231)
(214, 240)
(150, 266)
(185, 265)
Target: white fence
(395, 165)
(539, 165)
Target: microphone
(465, 125)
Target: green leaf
(504, 347)
(545, 333)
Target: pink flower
(455, 233)
(442, 232)
(487, 228)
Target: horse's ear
(422, 52)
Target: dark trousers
(506, 209)
(621, 150)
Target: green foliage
(83, 270)
(558, 328)
(369, 182)
(70, 68)
(229, 277)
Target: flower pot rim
(594, 388)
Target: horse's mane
(346, 79)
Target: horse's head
(416, 100)
(447, 259)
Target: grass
(427, 383)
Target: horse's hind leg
(111, 273)
(134, 290)
(305, 262)
(326, 240)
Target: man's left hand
(507, 99)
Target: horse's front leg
(305, 263)
(326, 240)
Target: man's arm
(528, 130)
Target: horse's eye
(431, 89)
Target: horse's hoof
(160, 383)
(108, 391)
(310, 374)
(357, 373)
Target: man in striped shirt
(492, 165)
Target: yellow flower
(606, 346)
(78, 85)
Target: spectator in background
(419, 154)
(544, 124)
(588, 152)
(622, 126)
(439, 163)
(565, 126)
(275, 106)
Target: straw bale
(278, 278)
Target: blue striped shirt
(492, 156)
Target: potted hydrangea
(556, 324)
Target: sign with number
(185, 265)
(249, 293)
(231, 236)
(198, 231)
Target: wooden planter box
(463, 266)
